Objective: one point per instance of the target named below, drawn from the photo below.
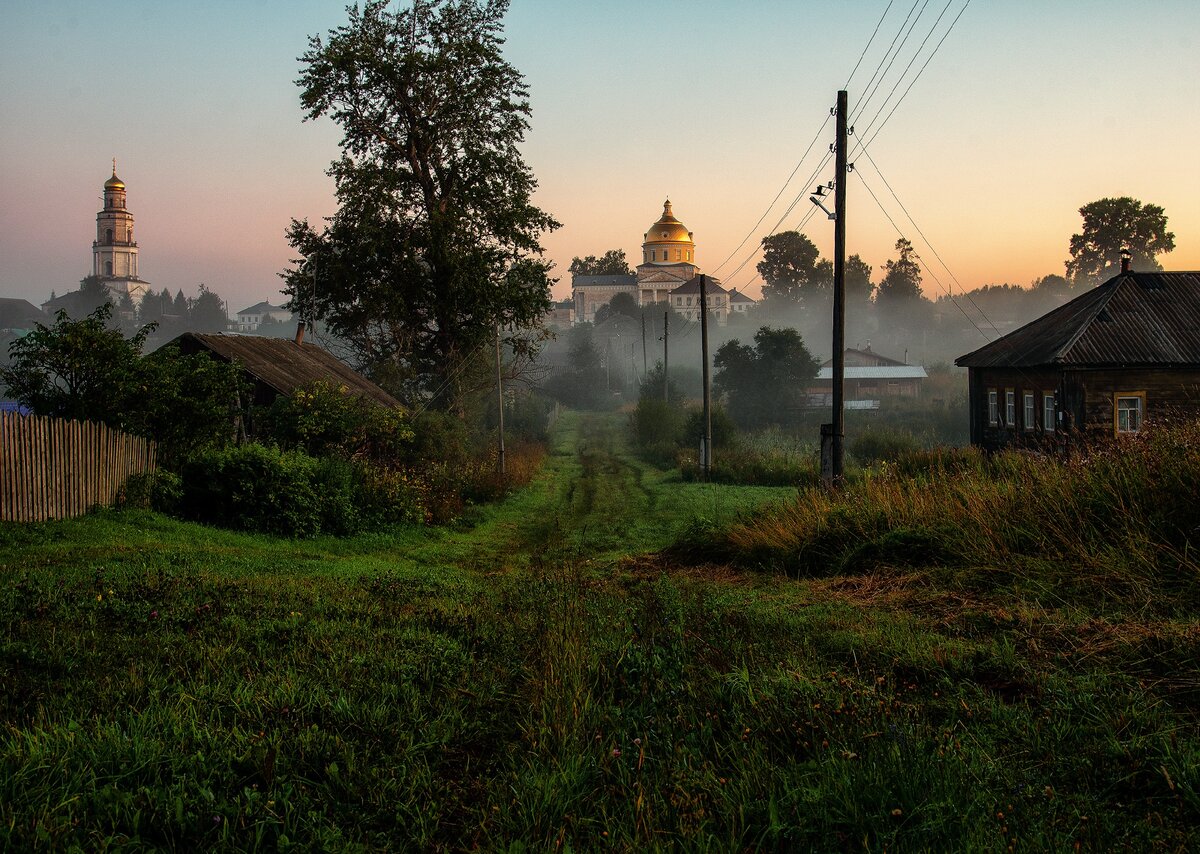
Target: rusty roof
(1132, 319)
(282, 364)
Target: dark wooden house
(1098, 366)
(278, 366)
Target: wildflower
(637, 741)
(616, 751)
(99, 598)
(897, 812)
(154, 615)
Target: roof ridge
(1090, 316)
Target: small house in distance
(869, 377)
(1096, 366)
(279, 366)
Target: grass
(534, 680)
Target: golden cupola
(668, 241)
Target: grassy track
(526, 681)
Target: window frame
(1010, 407)
(1029, 411)
(1140, 397)
(993, 407)
(1049, 414)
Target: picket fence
(52, 468)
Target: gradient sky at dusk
(1029, 110)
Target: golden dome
(114, 183)
(668, 229)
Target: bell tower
(114, 251)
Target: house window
(993, 407)
(1129, 408)
(678, 254)
(1048, 411)
(1010, 407)
(689, 300)
(1029, 411)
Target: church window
(108, 235)
(108, 268)
(689, 255)
(678, 254)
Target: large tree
(611, 263)
(766, 383)
(1110, 225)
(436, 239)
(791, 268)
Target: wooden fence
(51, 468)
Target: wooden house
(276, 366)
(1097, 366)
(869, 377)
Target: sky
(1027, 111)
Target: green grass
(532, 679)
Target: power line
(868, 47)
(868, 91)
(919, 73)
(913, 59)
(799, 163)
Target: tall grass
(1120, 522)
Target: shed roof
(19, 314)
(877, 372)
(692, 286)
(262, 308)
(282, 364)
(1132, 319)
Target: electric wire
(880, 71)
(919, 73)
(869, 42)
(912, 59)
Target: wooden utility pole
(706, 456)
(666, 371)
(500, 402)
(645, 358)
(839, 291)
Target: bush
(657, 423)
(257, 488)
(323, 420)
(159, 490)
(724, 431)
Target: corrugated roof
(877, 372)
(282, 364)
(1132, 319)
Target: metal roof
(282, 364)
(1132, 319)
(877, 372)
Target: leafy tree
(766, 383)
(611, 263)
(902, 278)
(1110, 225)
(78, 369)
(1052, 285)
(790, 269)
(621, 304)
(581, 383)
(436, 239)
(179, 306)
(858, 280)
(207, 312)
(582, 352)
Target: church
(667, 276)
(114, 251)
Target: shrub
(657, 423)
(724, 430)
(159, 490)
(323, 420)
(257, 488)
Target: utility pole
(645, 359)
(666, 372)
(839, 290)
(706, 456)
(500, 402)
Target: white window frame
(1010, 407)
(1030, 412)
(993, 398)
(1048, 411)
(1120, 404)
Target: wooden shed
(1097, 366)
(278, 366)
